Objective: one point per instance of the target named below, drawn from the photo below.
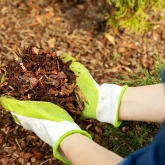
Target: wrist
(61, 147)
(126, 104)
(70, 141)
(110, 96)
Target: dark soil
(41, 76)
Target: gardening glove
(47, 120)
(102, 102)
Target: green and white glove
(103, 102)
(47, 120)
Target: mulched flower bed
(61, 26)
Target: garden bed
(60, 26)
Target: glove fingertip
(65, 57)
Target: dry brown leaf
(67, 89)
(26, 155)
(4, 10)
(54, 71)
(4, 161)
(61, 75)
(56, 83)
(110, 38)
(80, 95)
(37, 154)
(37, 50)
(33, 82)
(53, 92)
(9, 150)
(42, 19)
(51, 42)
(121, 49)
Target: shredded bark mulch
(39, 75)
(77, 27)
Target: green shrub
(143, 76)
(134, 15)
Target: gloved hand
(48, 121)
(103, 102)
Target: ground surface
(78, 28)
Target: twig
(120, 146)
(41, 78)
(130, 147)
(18, 144)
(79, 102)
(45, 161)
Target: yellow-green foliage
(134, 15)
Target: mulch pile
(41, 76)
(77, 27)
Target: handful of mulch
(39, 75)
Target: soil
(77, 27)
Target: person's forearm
(80, 150)
(145, 103)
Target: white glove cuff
(109, 102)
